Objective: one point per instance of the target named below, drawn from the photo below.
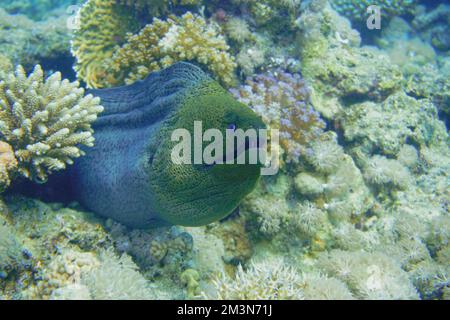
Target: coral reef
(358, 210)
(45, 121)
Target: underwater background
(359, 209)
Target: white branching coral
(117, 278)
(45, 121)
(271, 280)
(383, 171)
(369, 276)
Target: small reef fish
(129, 176)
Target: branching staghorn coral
(282, 99)
(103, 26)
(45, 121)
(162, 43)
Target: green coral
(45, 120)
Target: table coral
(45, 121)
(163, 43)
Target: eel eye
(232, 127)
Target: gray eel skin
(116, 178)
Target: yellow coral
(45, 120)
(103, 26)
(8, 164)
(163, 43)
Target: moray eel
(129, 176)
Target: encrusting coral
(45, 121)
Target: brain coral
(162, 43)
(45, 120)
(103, 26)
(282, 99)
(357, 9)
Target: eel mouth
(233, 155)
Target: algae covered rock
(391, 124)
(29, 42)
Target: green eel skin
(129, 175)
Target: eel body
(129, 175)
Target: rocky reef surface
(359, 209)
